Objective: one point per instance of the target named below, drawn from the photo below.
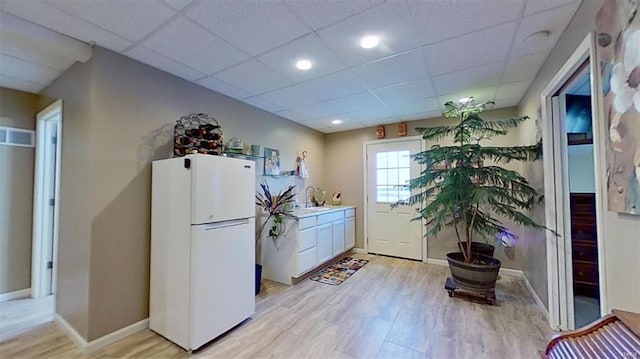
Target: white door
(392, 231)
(223, 188)
(222, 283)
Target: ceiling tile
(290, 97)
(423, 105)
(440, 20)
(318, 14)
(356, 102)
(253, 77)
(481, 76)
(22, 47)
(177, 4)
(284, 58)
(512, 90)
(48, 16)
(480, 95)
(555, 20)
(394, 70)
(261, 102)
(421, 115)
(253, 26)
(370, 113)
(479, 48)
(511, 102)
(164, 63)
(335, 85)
(390, 21)
(317, 110)
(186, 42)
(224, 88)
(130, 19)
(20, 69)
(20, 84)
(534, 6)
(292, 115)
(524, 68)
(406, 92)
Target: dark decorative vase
(478, 248)
(258, 277)
(480, 278)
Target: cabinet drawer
(306, 261)
(306, 239)
(306, 222)
(330, 217)
(350, 213)
(585, 252)
(585, 272)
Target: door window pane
(404, 159)
(381, 160)
(393, 173)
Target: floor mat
(340, 271)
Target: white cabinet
(323, 233)
(337, 237)
(350, 232)
(309, 242)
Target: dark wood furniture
(584, 244)
(616, 335)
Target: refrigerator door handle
(234, 222)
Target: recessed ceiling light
(303, 65)
(466, 100)
(538, 36)
(336, 122)
(369, 42)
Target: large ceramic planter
(478, 248)
(480, 278)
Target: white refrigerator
(202, 247)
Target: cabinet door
(337, 237)
(324, 242)
(306, 239)
(350, 232)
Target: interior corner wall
(129, 122)
(17, 109)
(621, 240)
(75, 88)
(344, 168)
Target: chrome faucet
(307, 203)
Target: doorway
(574, 191)
(388, 168)
(45, 206)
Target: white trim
(559, 248)
(103, 341)
(359, 250)
(113, 337)
(75, 337)
(535, 297)
(391, 140)
(503, 271)
(16, 294)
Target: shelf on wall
(242, 156)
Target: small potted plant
(274, 208)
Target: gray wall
(17, 109)
(621, 243)
(107, 150)
(344, 168)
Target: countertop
(314, 211)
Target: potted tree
(274, 209)
(458, 190)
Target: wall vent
(12, 136)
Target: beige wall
(132, 108)
(17, 109)
(344, 168)
(621, 244)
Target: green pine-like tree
(456, 188)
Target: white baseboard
(113, 337)
(22, 293)
(536, 299)
(359, 250)
(99, 343)
(503, 271)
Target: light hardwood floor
(391, 308)
(21, 315)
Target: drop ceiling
(429, 52)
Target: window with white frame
(392, 176)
